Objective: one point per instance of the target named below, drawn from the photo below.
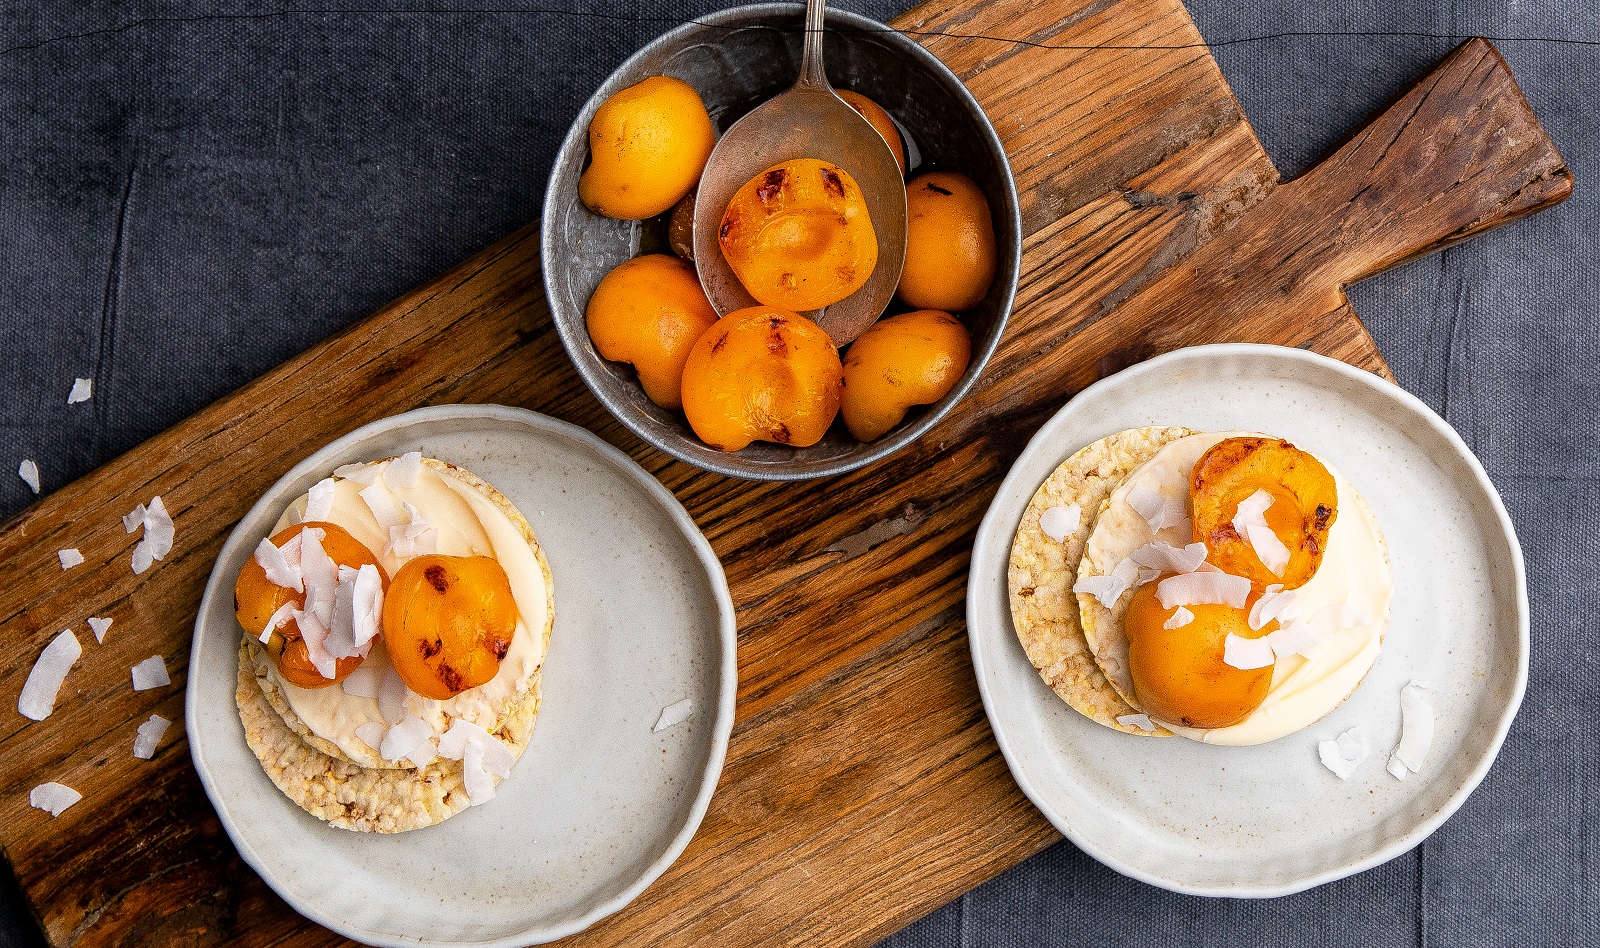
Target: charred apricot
(950, 243)
(909, 359)
(256, 598)
(648, 312)
(1179, 675)
(448, 621)
(762, 374)
(1305, 503)
(798, 235)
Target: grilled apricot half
(1305, 502)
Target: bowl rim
(730, 464)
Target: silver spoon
(807, 121)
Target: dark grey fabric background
(187, 202)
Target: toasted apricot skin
(647, 144)
(880, 120)
(648, 312)
(762, 374)
(448, 621)
(1179, 675)
(256, 598)
(1305, 503)
(909, 359)
(798, 235)
(950, 243)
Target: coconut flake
(417, 538)
(1274, 604)
(1244, 653)
(150, 673)
(280, 616)
(149, 736)
(1296, 638)
(280, 572)
(39, 692)
(321, 576)
(363, 682)
(371, 733)
(158, 533)
(69, 558)
(475, 777)
(82, 391)
(392, 693)
(1344, 754)
(1107, 589)
(1166, 558)
(360, 473)
(674, 714)
(411, 739)
(53, 797)
(1250, 521)
(133, 519)
(1060, 522)
(481, 756)
(319, 500)
(366, 606)
(28, 470)
(1140, 721)
(1416, 731)
(381, 503)
(99, 627)
(1158, 511)
(1179, 618)
(315, 634)
(404, 470)
(1203, 589)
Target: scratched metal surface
(188, 202)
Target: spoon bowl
(808, 121)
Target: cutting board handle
(1459, 154)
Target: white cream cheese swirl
(468, 524)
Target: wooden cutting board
(863, 787)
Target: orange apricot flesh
(762, 374)
(1304, 506)
(1179, 675)
(905, 360)
(648, 312)
(448, 621)
(950, 244)
(256, 598)
(880, 120)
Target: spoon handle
(812, 73)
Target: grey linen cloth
(188, 200)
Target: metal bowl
(736, 59)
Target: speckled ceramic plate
(1270, 820)
(598, 806)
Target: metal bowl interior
(736, 59)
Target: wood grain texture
(863, 787)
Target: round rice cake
(1042, 571)
(377, 795)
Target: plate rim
(727, 677)
(981, 554)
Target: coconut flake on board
(149, 736)
(1159, 512)
(38, 698)
(1250, 521)
(1246, 654)
(1416, 731)
(404, 470)
(673, 715)
(1180, 617)
(319, 500)
(53, 798)
(360, 473)
(28, 470)
(1345, 753)
(1140, 721)
(1166, 558)
(99, 627)
(1203, 588)
(69, 558)
(82, 391)
(150, 673)
(1058, 523)
(159, 533)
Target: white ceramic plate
(1270, 820)
(598, 806)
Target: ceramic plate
(1270, 820)
(598, 806)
